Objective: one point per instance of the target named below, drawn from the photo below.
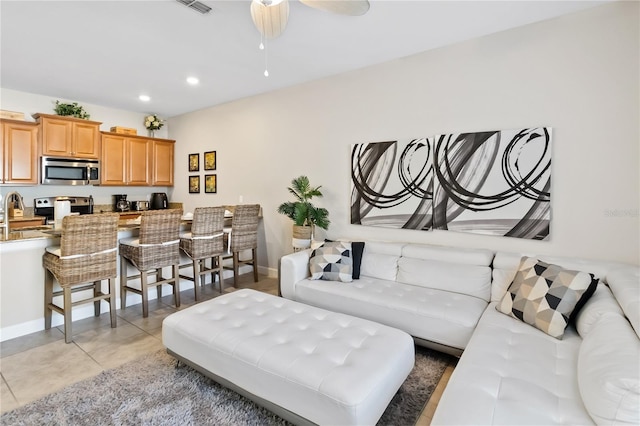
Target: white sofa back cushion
(458, 278)
(625, 285)
(609, 372)
(505, 266)
(380, 260)
(478, 257)
(600, 303)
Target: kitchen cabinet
(162, 163)
(129, 160)
(62, 136)
(18, 152)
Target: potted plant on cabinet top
(304, 214)
(71, 109)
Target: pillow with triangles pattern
(332, 261)
(545, 295)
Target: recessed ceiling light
(193, 80)
(144, 98)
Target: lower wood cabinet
(136, 160)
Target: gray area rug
(152, 391)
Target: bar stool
(87, 255)
(156, 247)
(205, 241)
(243, 235)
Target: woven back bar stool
(87, 255)
(205, 241)
(157, 246)
(243, 235)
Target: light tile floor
(42, 363)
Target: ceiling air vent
(196, 5)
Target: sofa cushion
(380, 260)
(505, 266)
(459, 278)
(332, 262)
(609, 371)
(478, 257)
(544, 295)
(511, 373)
(439, 316)
(602, 302)
(624, 283)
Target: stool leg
(159, 287)
(123, 282)
(255, 265)
(236, 260)
(219, 272)
(112, 302)
(96, 292)
(197, 278)
(68, 334)
(145, 294)
(176, 284)
(48, 298)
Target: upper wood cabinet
(18, 152)
(136, 161)
(68, 136)
(162, 164)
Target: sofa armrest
(293, 268)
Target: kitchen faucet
(9, 199)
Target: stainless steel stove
(45, 206)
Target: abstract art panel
(494, 183)
(491, 183)
(392, 184)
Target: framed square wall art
(494, 183)
(194, 184)
(392, 184)
(210, 184)
(210, 160)
(194, 162)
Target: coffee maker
(120, 203)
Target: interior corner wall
(578, 74)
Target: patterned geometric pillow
(332, 262)
(544, 295)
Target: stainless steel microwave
(70, 171)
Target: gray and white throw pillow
(332, 262)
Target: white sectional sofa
(509, 372)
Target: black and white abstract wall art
(492, 183)
(392, 184)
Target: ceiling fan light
(270, 20)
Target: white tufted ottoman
(306, 364)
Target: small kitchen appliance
(120, 203)
(139, 206)
(159, 201)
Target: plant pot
(302, 236)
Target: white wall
(577, 74)
(29, 103)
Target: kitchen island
(22, 279)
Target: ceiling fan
(270, 16)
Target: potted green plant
(304, 214)
(73, 110)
